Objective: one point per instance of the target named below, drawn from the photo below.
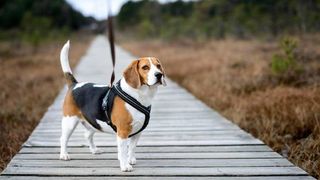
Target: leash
(116, 89)
(111, 42)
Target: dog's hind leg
(68, 125)
(89, 136)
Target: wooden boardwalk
(184, 140)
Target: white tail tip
(64, 60)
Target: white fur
(105, 127)
(152, 79)
(68, 125)
(64, 60)
(89, 136)
(100, 85)
(123, 154)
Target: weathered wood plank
(161, 178)
(154, 149)
(184, 155)
(156, 163)
(149, 138)
(79, 132)
(154, 171)
(154, 143)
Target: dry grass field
(30, 81)
(235, 78)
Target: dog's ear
(132, 76)
(163, 81)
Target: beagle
(140, 80)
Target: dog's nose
(158, 75)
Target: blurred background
(257, 62)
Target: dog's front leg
(123, 154)
(132, 146)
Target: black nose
(158, 75)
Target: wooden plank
(149, 138)
(160, 122)
(154, 149)
(154, 143)
(184, 155)
(156, 163)
(160, 178)
(154, 171)
(174, 128)
(78, 132)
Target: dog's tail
(64, 60)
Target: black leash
(111, 42)
(116, 89)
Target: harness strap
(116, 89)
(130, 100)
(107, 104)
(134, 103)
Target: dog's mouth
(161, 81)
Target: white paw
(96, 151)
(132, 161)
(126, 168)
(64, 156)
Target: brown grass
(29, 83)
(233, 77)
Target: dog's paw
(96, 151)
(126, 168)
(64, 157)
(132, 161)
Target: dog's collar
(117, 90)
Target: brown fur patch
(144, 72)
(131, 74)
(69, 106)
(121, 118)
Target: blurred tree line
(33, 20)
(219, 18)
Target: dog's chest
(138, 118)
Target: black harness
(96, 103)
(107, 105)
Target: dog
(140, 80)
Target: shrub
(146, 28)
(286, 65)
(35, 28)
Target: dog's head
(145, 71)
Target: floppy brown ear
(131, 75)
(163, 81)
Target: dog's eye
(145, 67)
(158, 66)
